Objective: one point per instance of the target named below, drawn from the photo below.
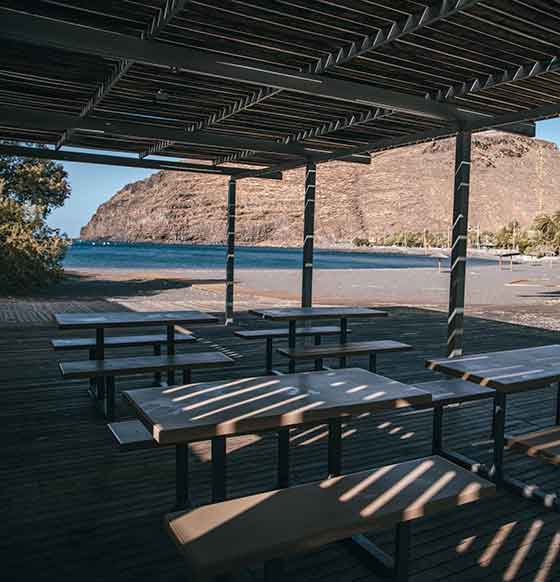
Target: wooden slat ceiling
(479, 40)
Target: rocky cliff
(512, 177)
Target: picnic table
(508, 255)
(509, 372)
(102, 320)
(216, 410)
(294, 314)
(440, 257)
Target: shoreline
(530, 295)
(492, 255)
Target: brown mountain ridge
(512, 177)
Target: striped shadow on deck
(75, 508)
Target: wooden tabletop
(201, 411)
(130, 319)
(507, 371)
(286, 313)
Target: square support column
(308, 234)
(455, 320)
(230, 257)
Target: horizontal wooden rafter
(108, 160)
(62, 35)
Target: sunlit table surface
(505, 371)
(130, 319)
(287, 313)
(193, 412)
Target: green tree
(508, 236)
(30, 251)
(38, 185)
(548, 228)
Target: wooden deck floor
(76, 509)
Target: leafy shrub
(361, 242)
(30, 251)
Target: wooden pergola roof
(254, 87)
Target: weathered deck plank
(77, 508)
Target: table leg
(396, 568)
(219, 469)
(268, 359)
(170, 352)
(558, 403)
(499, 437)
(292, 344)
(110, 398)
(343, 338)
(187, 375)
(100, 355)
(157, 375)
(335, 447)
(92, 381)
(283, 458)
(284, 433)
(437, 430)
(319, 362)
(371, 555)
(373, 362)
(493, 430)
(496, 472)
(402, 551)
(182, 500)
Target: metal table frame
(372, 555)
(99, 386)
(496, 472)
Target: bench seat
(131, 435)
(254, 334)
(140, 364)
(454, 391)
(542, 444)
(283, 333)
(228, 536)
(341, 350)
(119, 341)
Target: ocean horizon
(144, 255)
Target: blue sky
(93, 184)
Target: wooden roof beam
(62, 35)
(158, 23)
(91, 158)
(398, 29)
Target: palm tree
(548, 225)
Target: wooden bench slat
(347, 349)
(283, 332)
(454, 391)
(131, 435)
(544, 444)
(139, 364)
(230, 535)
(118, 341)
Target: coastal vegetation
(31, 252)
(542, 238)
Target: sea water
(137, 256)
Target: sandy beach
(529, 294)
